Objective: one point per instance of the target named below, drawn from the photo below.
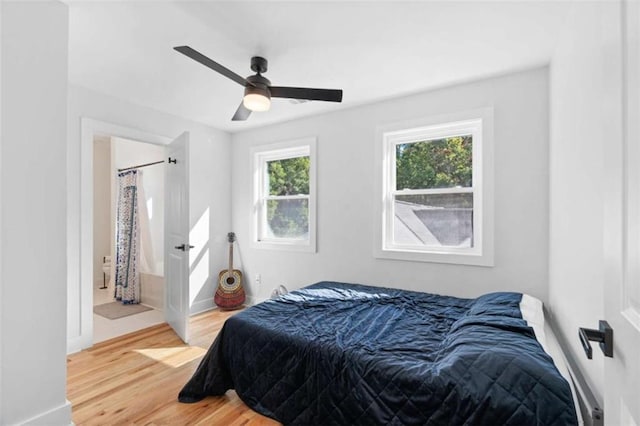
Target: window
(284, 195)
(435, 180)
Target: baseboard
(252, 300)
(200, 306)
(76, 344)
(60, 415)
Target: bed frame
(590, 408)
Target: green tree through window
(289, 177)
(440, 163)
(288, 217)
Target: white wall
(33, 209)
(580, 94)
(101, 205)
(1, 222)
(346, 194)
(209, 206)
(128, 153)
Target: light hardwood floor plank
(135, 380)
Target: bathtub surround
(152, 290)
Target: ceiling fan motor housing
(260, 85)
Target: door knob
(184, 247)
(603, 335)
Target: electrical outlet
(258, 278)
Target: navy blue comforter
(347, 354)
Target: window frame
(260, 156)
(479, 124)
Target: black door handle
(604, 336)
(184, 247)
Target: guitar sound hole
(230, 280)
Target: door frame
(621, 225)
(89, 129)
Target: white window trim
(280, 151)
(387, 136)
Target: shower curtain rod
(141, 165)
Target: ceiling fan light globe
(256, 102)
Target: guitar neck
(230, 271)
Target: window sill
(306, 247)
(472, 259)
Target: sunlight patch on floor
(173, 357)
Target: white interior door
(622, 236)
(176, 248)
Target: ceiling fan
(258, 90)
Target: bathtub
(152, 290)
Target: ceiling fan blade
(242, 113)
(329, 95)
(199, 57)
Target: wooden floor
(135, 379)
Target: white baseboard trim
(200, 306)
(76, 344)
(252, 300)
(60, 415)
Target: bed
(336, 353)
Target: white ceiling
(371, 50)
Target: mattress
(336, 353)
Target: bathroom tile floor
(105, 329)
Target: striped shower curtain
(127, 274)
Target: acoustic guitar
(230, 294)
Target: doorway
(80, 298)
(114, 159)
